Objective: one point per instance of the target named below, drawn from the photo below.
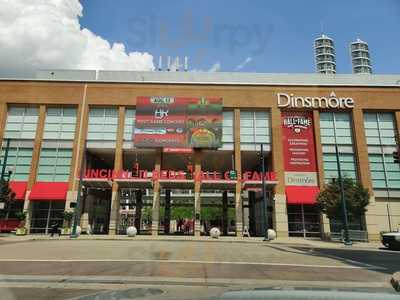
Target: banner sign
(299, 149)
(178, 122)
(176, 175)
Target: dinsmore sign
(292, 101)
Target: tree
(7, 196)
(356, 197)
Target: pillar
(167, 216)
(364, 173)
(118, 162)
(37, 145)
(156, 196)
(280, 217)
(197, 187)
(3, 118)
(225, 213)
(138, 212)
(78, 156)
(238, 168)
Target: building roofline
(207, 78)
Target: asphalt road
(100, 264)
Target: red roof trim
(49, 191)
(19, 188)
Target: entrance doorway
(177, 212)
(135, 210)
(304, 221)
(256, 217)
(98, 206)
(45, 214)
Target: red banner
(299, 148)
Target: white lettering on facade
(292, 101)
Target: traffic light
(72, 205)
(396, 157)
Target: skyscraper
(325, 60)
(360, 57)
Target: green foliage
(68, 215)
(6, 194)
(356, 197)
(21, 215)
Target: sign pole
(347, 240)
(265, 205)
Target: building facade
(65, 126)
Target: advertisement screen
(178, 122)
(299, 149)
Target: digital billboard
(178, 122)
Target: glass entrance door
(303, 220)
(45, 214)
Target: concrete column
(118, 162)
(3, 118)
(238, 168)
(156, 196)
(138, 214)
(280, 218)
(114, 210)
(197, 187)
(78, 150)
(35, 163)
(325, 227)
(225, 213)
(167, 216)
(364, 173)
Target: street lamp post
(265, 205)
(347, 240)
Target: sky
(216, 35)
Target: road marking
(362, 266)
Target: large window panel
(19, 160)
(380, 132)
(103, 124)
(254, 129)
(21, 122)
(60, 123)
(54, 164)
(336, 128)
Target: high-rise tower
(325, 59)
(360, 57)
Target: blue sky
(277, 35)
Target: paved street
(105, 264)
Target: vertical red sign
(299, 148)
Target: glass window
(336, 128)
(103, 124)
(60, 123)
(227, 127)
(19, 160)
(21, 122)
(254, 128)
(380, 130)
(54, 164)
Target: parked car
(391, 240)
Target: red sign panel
(299, 148)
(178, 122)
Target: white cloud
(243, 63)
(215, 67)
(46, 34)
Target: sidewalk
(289, 241)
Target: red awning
(19, 188)
(49, 191)
(301, 194)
